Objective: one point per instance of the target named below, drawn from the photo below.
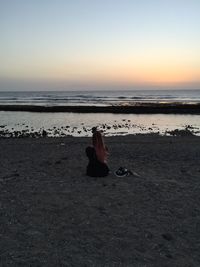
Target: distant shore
(141, 108)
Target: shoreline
(142, 108)
(48, 133)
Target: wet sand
(52, 214)
(137, 108)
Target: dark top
(95, 168)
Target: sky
(99, 44)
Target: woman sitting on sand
(97, 155)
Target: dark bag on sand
(95, 168)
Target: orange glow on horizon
(111, 72)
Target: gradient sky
(99, 44)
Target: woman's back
(97, 155)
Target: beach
(52, 214)
(76, 73)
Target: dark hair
(99, 146)
(94, 129)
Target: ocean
(80, 124)
(99, 98)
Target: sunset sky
(99, 44)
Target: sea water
(54, 98)
(80, 124)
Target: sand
(136, 108)
(52, 214)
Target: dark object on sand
(95, 168)
(181, 132)
(123, 172)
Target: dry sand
(52, 214)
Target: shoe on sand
(122, 172)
